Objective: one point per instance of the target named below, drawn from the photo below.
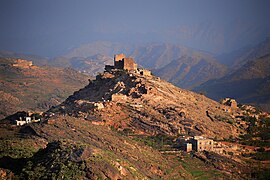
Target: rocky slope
(189, 72)
(147, 105)
(123, 126)
(71, 148)
(249, 84)
(29, 87)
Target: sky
(52, 27)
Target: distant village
(23, 118)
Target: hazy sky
(50, 27)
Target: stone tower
(118, 61)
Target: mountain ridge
(250, 84)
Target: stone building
(188, 147)
(129, 64)
(23, 121)
(126, 63)
(145, 72)
(196, 143)
(229, 102)
(200, 143)
(118, 58)
(26, 120)
(122, 62)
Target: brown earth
(34, 88)
(152, 106)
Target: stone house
(188, 147)
(200, 143)
(26, 120)
(196, 143)
(20, 122)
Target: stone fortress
(126, 63)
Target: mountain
(125, 125)
(248, 84)
(189, 72)
(218, 37)
(149, 55)
(166, 60)
(146, 104)
(158, 55)
(25, 86)
(238, 58)
(91, 65)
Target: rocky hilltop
(147, 104)
(129, 124)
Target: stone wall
(145, 72)
(129, 64)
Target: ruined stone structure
(118, 61)
(122, 62)
(129, 64)
(230, 102)
(145, 72)
(126, 63)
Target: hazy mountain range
(248, 84)
(181, 65)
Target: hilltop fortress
(126, 63)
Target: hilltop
(25, 86)
(127, 123)
(147, 104)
